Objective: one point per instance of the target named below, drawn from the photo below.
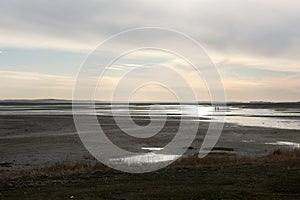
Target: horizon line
(103, 101)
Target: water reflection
(285, 143)
(144, 159)
(152, 148)
(269, 118)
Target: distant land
(150, 102)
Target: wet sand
(34, 141)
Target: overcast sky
(255, 44)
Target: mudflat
(33, 141)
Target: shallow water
(285, 143)
(269, 118)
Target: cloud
(256, 27)
(259, 29)
(268, 89)
(245, 38)
(34, 85)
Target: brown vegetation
(226, 158)
(79, 167)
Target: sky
(254, 44)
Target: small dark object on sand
(6, 164)
(222, 149)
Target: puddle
(144, 159)
(248, 141)
(152, 148)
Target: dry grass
(88, 166)
(58, 169)
(280, 154)
(211, 159)
(225, 158)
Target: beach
(41, 134)
(42, 156)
